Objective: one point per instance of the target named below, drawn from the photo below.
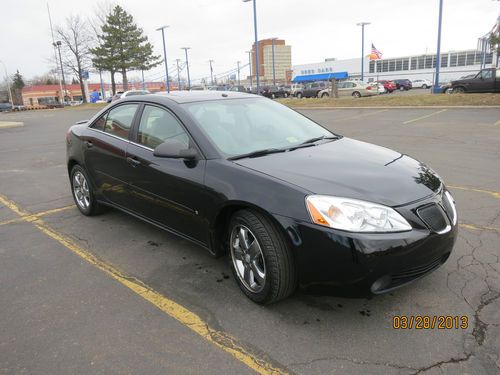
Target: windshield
(242, 126)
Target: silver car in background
(355, 89)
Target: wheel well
(356, 93)
(222, 221)
(71, 164)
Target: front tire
(83, 195)
(356, 94)
(260, 258)
(325, 95)
(299, 95)
(424, 86)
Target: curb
(407, 107)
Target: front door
(168, 191)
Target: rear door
(168, 191)
(105, 148)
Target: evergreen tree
(123, 47)
(17, 88)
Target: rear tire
(260, 258)
(425, 87)
(82, 192)
(299, 95)
(401, 88)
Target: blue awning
(321, 77)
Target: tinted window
(120, 120)
(158, 125)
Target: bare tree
(76, 37)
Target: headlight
(354, 215)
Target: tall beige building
(282, 61)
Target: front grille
(433, 216)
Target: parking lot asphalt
(111, 294)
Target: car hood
(351, 169)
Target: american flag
(376, 54)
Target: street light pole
(250, 65)
(211, 72)
(187, 66)
(165, 54)
(362, 24)
(8, 84)
(256, 44)
(58, 44)
(435, 87)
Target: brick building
(282, 60)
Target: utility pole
(211, 72)
(238, 64)
(435, 87)
(274, 71)
(178, 75)
(187, 66)
(55, 56)
(362, 24)
(58, 44)
(165, 54)
(250, 65)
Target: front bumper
(368, 262)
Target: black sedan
(290, 202)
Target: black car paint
(194, 199)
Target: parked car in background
(296, 88)
(237, 88)
(355, 89)
(126, 94)
(403, 84)
(379, 87)
(388, 85)
(421, 84)
(487, 80)
(287, 90)
(272, 92)
(5, 107)
(311, 90)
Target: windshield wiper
(316, 139)
(255, 154)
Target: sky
(222, 30)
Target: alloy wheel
(248, 259)
(81, 190)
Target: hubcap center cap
(247, 258)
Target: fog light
(380, 284)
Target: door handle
(133, 161)
(88, 144)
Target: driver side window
(158, 125)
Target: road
(111, 294)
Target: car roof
(181, 97)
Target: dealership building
(454, 64)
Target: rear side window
(119, 120)
(157, 126)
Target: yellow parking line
(33, 217)
(494, 194)
(424, 117)
(186, 317)
(475, 227)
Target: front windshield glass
(241, 126)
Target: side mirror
(175, 150)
